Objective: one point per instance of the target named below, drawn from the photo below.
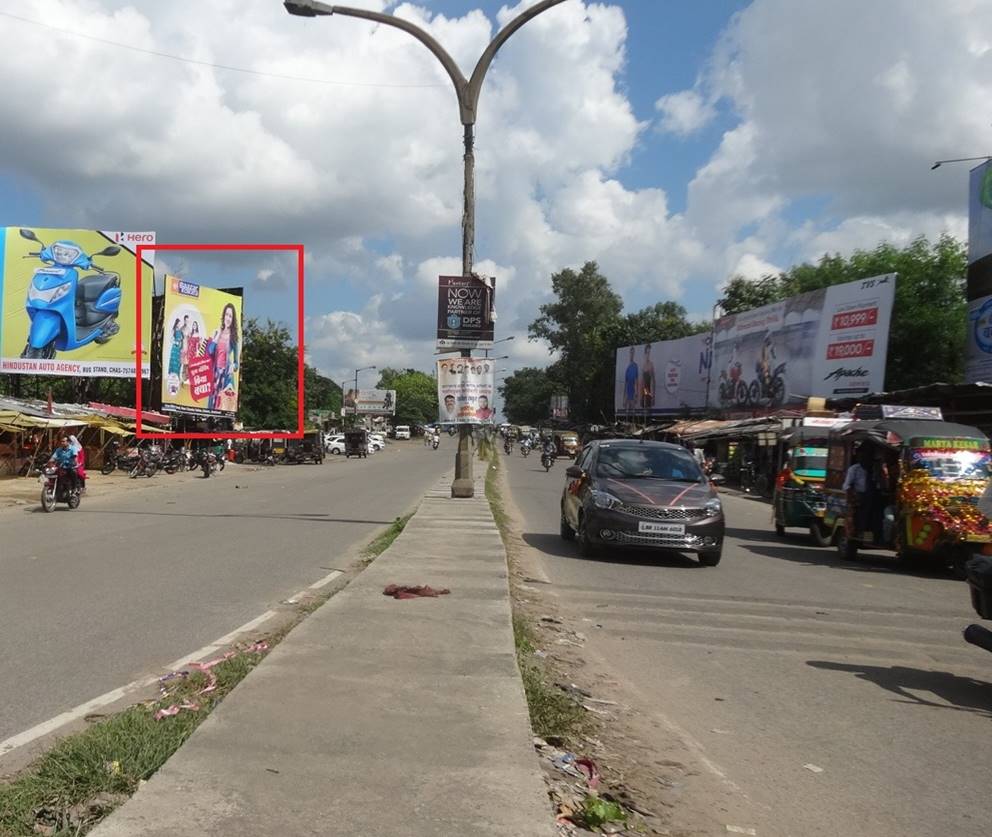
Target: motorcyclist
(549, 448)
(436, 438)
(64, 457)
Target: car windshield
(647, 463)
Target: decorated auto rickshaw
(922, 479)
(798, 500)
(356, 443)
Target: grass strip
(79, 782)
(85, 776)
(385, 540)
(554, 716)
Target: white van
(403, 431)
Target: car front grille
(662, 513)
(667, 541)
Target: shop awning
(147, 416)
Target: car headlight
(48, 296)
(605, 500)
(713, 507)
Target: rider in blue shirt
(65, 457)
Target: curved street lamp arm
(475, 83)
(439, 52)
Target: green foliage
(597, 812)
(929, 318)
(527, 395)
(416, 395)
(320, 393)
(268, 377)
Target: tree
(268, 377)
(527, 395)
(320, 393)
(929, 317)
(416, 395)
(580, 326)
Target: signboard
(201, 350)
(980, 212)
(376, 402)
(559, 406)
(824, 421)
(465, 312)
(828, 343)
(978, 349)
(870, 412)
(465, 389)
(67, 302)
(664, 377)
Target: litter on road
(402, 591)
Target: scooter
(979, 573)
(55, 489)
(67, 309)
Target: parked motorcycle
(144, 465)
(979, 575)
(210, 463)
(69, 310)
(174, 460)
(56, 488)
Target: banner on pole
(465, 389)
(465, 312)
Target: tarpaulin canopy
(130, 414)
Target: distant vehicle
(403, 431)
(334, 444)
(647, 495)
(567, 442)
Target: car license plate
(650, 527)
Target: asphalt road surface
(93, 599)
(784, 656)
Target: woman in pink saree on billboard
(223, 346)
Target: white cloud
(684, 113)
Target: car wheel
(335, 451)
(710, 559)
(566, 530)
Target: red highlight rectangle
(861, 318)
(850, 349)
(298, 433)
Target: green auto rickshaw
(798, 498)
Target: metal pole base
(464, 484)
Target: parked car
(376, 442)
(403, 431)
(646, 495)
(335, 444)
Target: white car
(334, 444)
(403, 431)
(376, 442)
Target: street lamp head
(307, 8)
(935, 166)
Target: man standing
(630, 384)
(647, 379)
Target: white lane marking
(80, 711)
(115, 695)
(327, 579)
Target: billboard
(980, 212)
(978, 350)
(381, 402)
(663, 377)
(559, 406)
(201, 350)
(465, 388)
(465, 312)
(67, 302)
(831, 342)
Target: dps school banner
(201, 350)
(67, 302)
(663, 377)
(465, 312)
(465, 389)
(829, 342)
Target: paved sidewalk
(374, 716)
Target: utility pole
(467, 91)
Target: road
(95, 598)
(783, 657)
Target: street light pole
(363, 369)
(467, 91)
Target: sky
(675, 143)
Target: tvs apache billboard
(831, 342)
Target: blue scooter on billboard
(68, 310)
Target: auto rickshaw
(356, 443)
(567, 443)
(308, 449)
(798, 499)
(923, 482)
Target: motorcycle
(525, 449)
(547, 460)
(55, 488)
(979, 575)
(436, 443)
(145, 465)
(732, 389)
(69, 310)
(210, 463)
(771, 387)
(507, 447)
(174, 460)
